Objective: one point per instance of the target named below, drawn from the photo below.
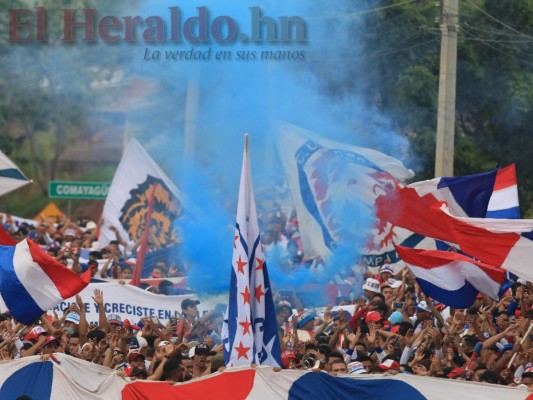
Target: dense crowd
(385, 325)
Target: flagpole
(250, 331)
(136, 278)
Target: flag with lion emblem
(128, 198)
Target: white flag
(129, 195)
(250, 331)
(11, 177)
(334, 184)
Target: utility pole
(447, 83)
(191, 117)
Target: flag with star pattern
(250, 331)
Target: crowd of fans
(385, 325)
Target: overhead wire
(368, 11)
(497, 20)
(499, 50)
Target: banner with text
(128, 302)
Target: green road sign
(78, 190)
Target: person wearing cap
(198, 355)
(306, 322)
(71, 322)
(395, 319)
(189, 310)
(423, 313)
(289, 360)
(356, 368)
(389, 365)
(114, 322)
(374, 318)
(370, 287)
(385, 273)
(35, 341)
(138, 343)
(51, 345)
(137, 360)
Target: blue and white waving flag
(334, 186)
(250, 332)
(32, 282)
(11, 177)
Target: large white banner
(68, 378)
(127, 301)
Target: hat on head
(128, 324)
(135, 355)
(386, 268)
(305, 318)
(189, 303)
(373, 316)
(69, 232)
(389, 364)
(372, 285)
(396, 318)
(200, 348)
(423, 306)
(286, 356)
(90, 225)
(164, 343)
(394, 283)
(114, 319)
(50, 339)
(137, 343)
(34, 333)
(73, 317)
(356, 368)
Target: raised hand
(98, 296)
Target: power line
(509, 48)
(497, 20)
(496, 33)
(484, 42)
(382, 8)
(371, 10)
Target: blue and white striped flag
(250, 332)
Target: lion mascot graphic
(165, 210)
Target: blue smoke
(250, 96)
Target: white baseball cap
(372, 285)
